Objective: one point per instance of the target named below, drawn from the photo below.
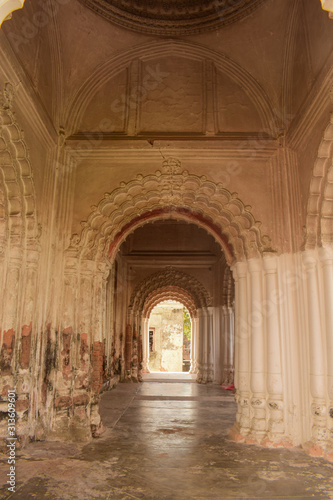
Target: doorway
(169, 338)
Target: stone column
(258, 389)
(326, 258)
(194, 345)
(231, 342)
(210, 344)
(317, 358)
(242, 368)
(218, 347)
(273, 349)
(201, 344)
(145, 345)
(225, 337)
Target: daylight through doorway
(169, 338)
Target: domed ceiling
(172, 17)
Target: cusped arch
(16, 176)
(167, 280)
(146, 52)
(170, 292)
(180, 196)
(319, 220)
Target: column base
(319, 449)
(240, 435)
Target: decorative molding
(328, 6)
(182, 196)
(9, 6)
(17, 174)
(172, 18)
(319, 220)
(169, 293)
(158, 285)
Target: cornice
(26, 98)
(172, 18)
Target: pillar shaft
(317, 359)
(242, 349)
(274, 372)
(258, 388)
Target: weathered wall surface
(102, 137)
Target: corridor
(167, 439)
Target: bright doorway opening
(169, 338)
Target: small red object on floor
(228, 387)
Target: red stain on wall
(97, 366)
(84, 352)
(128, 347)
(25, 346)
(66, 352)
(7, 352)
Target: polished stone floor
(167, 439)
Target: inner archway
(169, 331)
(172, 260)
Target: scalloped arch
(167, 283)
(9, 6)
(146, 52)
(169, 293)
(319, 220)
(180, 196)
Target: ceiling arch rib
(166, 48)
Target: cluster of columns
(318, 266)
(284, 349)
(258, 376)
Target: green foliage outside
(187, 324)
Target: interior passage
(167, 439)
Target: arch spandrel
(180, 196)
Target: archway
(102, 259)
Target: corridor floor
(166, 439)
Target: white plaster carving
(8, 6)
(182, 196)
